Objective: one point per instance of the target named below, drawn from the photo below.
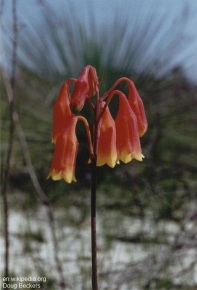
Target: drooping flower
(107, 153)
(113, 140)
(64, 158)
(85, 87)
(135, 102)
(127, 136)
(138, 108)
(61, 112)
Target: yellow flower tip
(68, 177)
(112, 165)
(67, 181)
(139, 156)
(110, 160)
(125, 157)
(56, 175)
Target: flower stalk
(93, 197)
(110, 141)
(93, 226)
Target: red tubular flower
(114, 141)
(127, 137)
(64, 158)
(138, 108)
(135, 103)
(61, 112)
(107, 153)
(85, 87)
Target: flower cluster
(114, 139)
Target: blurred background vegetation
(145, 42)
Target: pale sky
(137, 11)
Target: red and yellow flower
(107, 152)
(61, 112)
(113, 140)
(127, 137)
(64, 158)
(138, 108)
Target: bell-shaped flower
(113, 141)
(127, 136)
(106, 151)
(61, 112)
(85, 87)
(64, 158)
(138, 108)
